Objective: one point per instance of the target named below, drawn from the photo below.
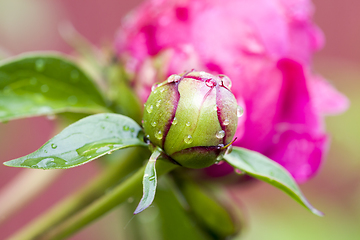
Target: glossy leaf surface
(84, 141)
(263, 168)
(149, 183)
(46, 84)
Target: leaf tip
(317, 212)
(8, 164)
(140, 208)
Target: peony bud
(192, 117)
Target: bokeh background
(28, 25)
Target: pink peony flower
(264, 46)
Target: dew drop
(45, 151)
(162, 90)
(220, 146)
(126, 128)
(229, 149)
(219, 162)
(188, 139)
(210, 82)
(44, 88)
(239, 172)
(239, 111)
(154, 124)
(188, 124)
(154, 87)
(225, 81)
(173, 78)
(220, 134)
(158, 103)
(159, 135)
(149, 108)
(72, 100)
(226, 122)
(53, 146)
(174, 121)
(132, 130)
(40, 65)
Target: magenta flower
(264, 46)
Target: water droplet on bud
(154, 124)
(239, 111)
(53, 146)
(173, 78)
(239, 172)
(158, 103)
(229, 149)
(225, 81)
(149, 108)
(154, 87)
(188, 139)
(220, 134)
(126, 128)
(175, 121)
(219, 162)
(159, 135)
(226, 122)
(188, 124)
(210, 82)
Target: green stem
(82, 198)
(129, 188)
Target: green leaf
(46, 84)
(265, 169)
(211, 215)
(84, 141)
(149, 182)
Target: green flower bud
(192, 117)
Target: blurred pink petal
(264, 46)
